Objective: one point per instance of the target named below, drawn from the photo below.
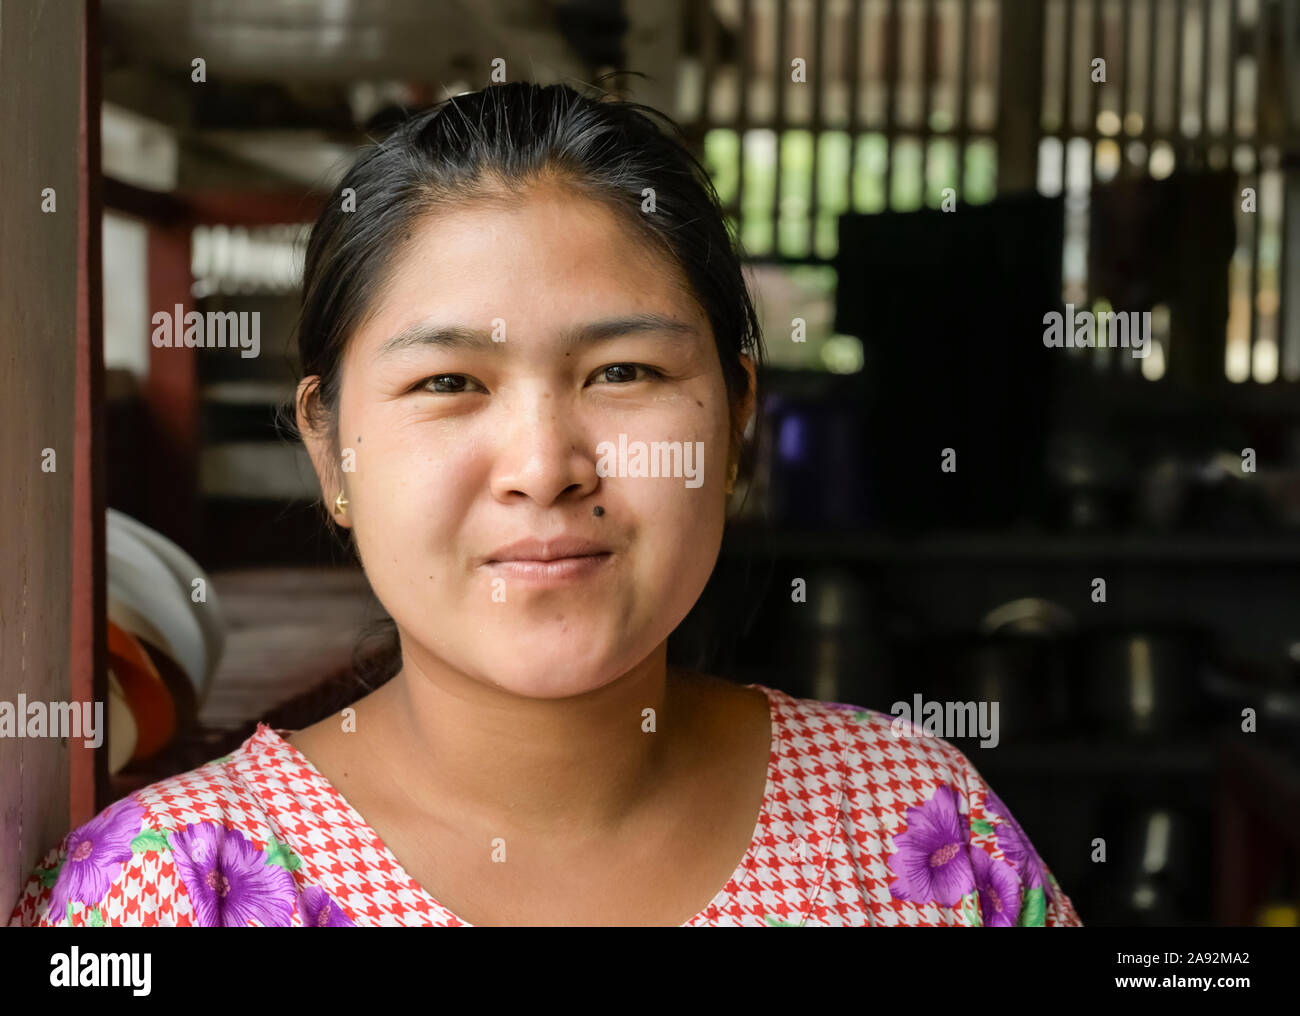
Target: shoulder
(922, 820)
(156, 856)
(875, 751)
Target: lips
(548, 550)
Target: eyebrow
(468, 339)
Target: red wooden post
(171, 392)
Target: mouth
(551, 571)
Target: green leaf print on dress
(970, 910)
(1033, 910)
(151, 839)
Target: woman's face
(460, 447)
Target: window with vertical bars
(898, 101)
(901, 99)
(1191, 85)
(894, 101)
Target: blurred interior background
(915, 184)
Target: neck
(470, 753)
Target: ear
(320, 448)
(745, 410)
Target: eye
(654, 374)
(453, 384)
(442, 379)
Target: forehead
(544, 260)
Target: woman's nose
(545, 453)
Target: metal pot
(1025, 675)
(1276, 701)
(1152, 875)
(1143, 681)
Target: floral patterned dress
(859, 826)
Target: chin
(541, 684)
(551, 671)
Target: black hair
(489, 146)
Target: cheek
(682, 510)
(677, 547)
(679, 528)
(413, 496)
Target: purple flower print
(933, 862)
(319, 910)
(998, 886)
(1015, 845)
(96, 853)
(229, 880)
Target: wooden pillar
(40, 98)
(87, 654)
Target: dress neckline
(740, 876)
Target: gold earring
(731, 478)
(340, 504)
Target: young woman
(506, 299)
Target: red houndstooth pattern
(839, 787)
